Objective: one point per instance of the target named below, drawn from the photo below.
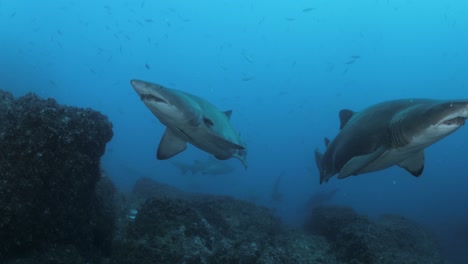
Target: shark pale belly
(189, 118)
(387, 134)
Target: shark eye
(207, 122)
(150, 97)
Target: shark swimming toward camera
(191, 119)
(387, 134)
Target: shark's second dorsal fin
(345, 116)
(327, 142)
(228, 113)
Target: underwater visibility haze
(284, 68)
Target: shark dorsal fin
(228, 114)
(327, 142)
(345, 116)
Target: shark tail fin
(318, 162)
(241, 155)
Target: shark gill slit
(398, 139)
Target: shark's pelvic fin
(345, 116)
(414, 164)
(355, 165)
(223, 143)
(170, 145)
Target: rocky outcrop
(49, 169)
(356, 239)
(178, 227)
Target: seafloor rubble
(57, 206)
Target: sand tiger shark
(387, 134)
(210, 166)
(189, 118)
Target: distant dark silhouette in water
(317, 199)
(320, 198)
(276, 195)
(210, 166)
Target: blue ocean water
(285, 68)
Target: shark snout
(140, 87)
(455, 114)
(148, 91)
(136, 83)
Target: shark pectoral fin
(355, 165)
(414, 164)
(170, 145)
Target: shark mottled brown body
(387, 134)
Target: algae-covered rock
(49, 167)
(179, 227)
(356, 239)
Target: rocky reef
(58, 206)
(50, 198)
(354, 238)
(178, 227)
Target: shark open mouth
(457, 121)
(150, 97)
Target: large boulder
(49, 169)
